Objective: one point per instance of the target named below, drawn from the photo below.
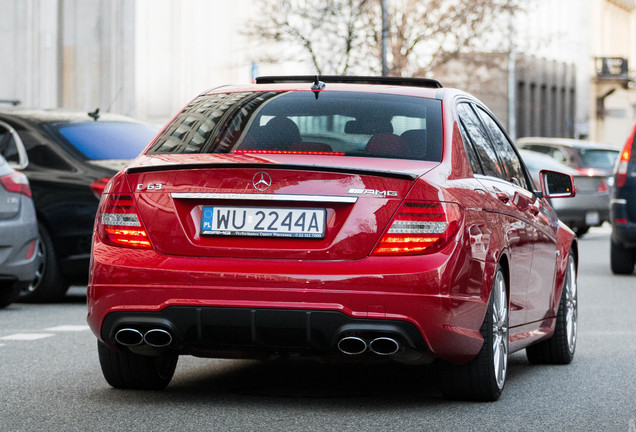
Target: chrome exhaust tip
(129, 337)
(352, 345)
(158, 338)
(384, 346)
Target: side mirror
(556, 185)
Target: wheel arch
(505, 268)
(566, 243)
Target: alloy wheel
(571, 309)
(500, 330)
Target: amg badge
(374, 192)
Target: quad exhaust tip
(129, 337)
(384, 346)
(352, 345)
(157, 338)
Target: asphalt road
(50, 380)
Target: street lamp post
(385, 38)
(512, 75)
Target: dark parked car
(623, 210)
(588, 158)
(18, 234)
(342, 218)
(68, 158)
(590, 206)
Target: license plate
(592, 218)
(263, 222)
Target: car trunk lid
(274, 207)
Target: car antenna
(317, 87)
(95, 114)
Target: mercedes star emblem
(261, 181)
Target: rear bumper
(214, 330)
(289, 305)
(16, 243)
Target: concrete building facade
(613, 52)
(147, 58)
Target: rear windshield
(304, 122)
(598, 158)
(107, 140)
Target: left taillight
(118, 223)
(420, 227)
(16, 182)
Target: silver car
(19, 243)
(590, 206)
(586, 157)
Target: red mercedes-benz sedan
(335, 217)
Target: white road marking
(68, 328)
(38, 336)
(26, 336)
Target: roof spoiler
(398, 81)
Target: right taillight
(420, 227)
(16, 182)
(118, 223)
(623, 162)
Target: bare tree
(330, 33)
(343, 36)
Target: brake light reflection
(290, 152)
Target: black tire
(49, 284)
(484, 377)
(9, 293)
(559, 349)
(126, 370)
(621, 259)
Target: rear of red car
(284, 219)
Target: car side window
(41, 155)
(8, 146)
(516, 173)
(553, 152)
(559, 155)
(535, 148)
(471, 153)
(480, 139)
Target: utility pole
(512, 75)
(385, 38)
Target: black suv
(623, 211)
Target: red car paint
(443, 292)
